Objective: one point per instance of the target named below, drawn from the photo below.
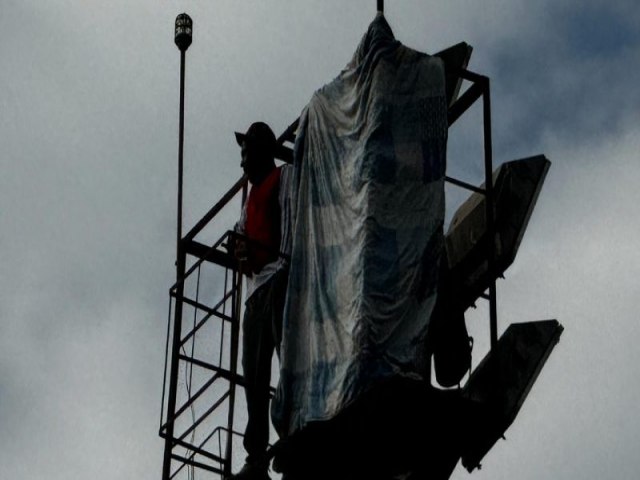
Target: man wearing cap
(265, 239)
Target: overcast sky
(88, 131)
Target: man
(263, 226)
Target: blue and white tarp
(368, 207)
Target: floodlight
(517, 185)
(498, 387)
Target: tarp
(368, 207)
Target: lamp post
(183, 38)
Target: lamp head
(184, 31)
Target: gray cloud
(87, 205)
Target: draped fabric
(368, 211)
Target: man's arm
(238, 247)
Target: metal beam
(466, 185)
(203, 307)
(473, 93)
(198, 394)
(490, 203)
(216, 208)
(204, 416)
(187, 461)
(199, 451)
(235, 378)
(210, 254)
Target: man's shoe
(251, 471)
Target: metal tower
(200, 402)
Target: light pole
(183, 38)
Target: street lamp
(183, 38)
(184, 31)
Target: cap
(260, 135)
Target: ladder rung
(202, 306)
(187, 461)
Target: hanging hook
(381, 6)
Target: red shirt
(263, 221)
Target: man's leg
(256, 363)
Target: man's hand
(238, 248)
(241, 252)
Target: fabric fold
(368, 208)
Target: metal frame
(200, 455)
(225, 374)
(480, 87)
